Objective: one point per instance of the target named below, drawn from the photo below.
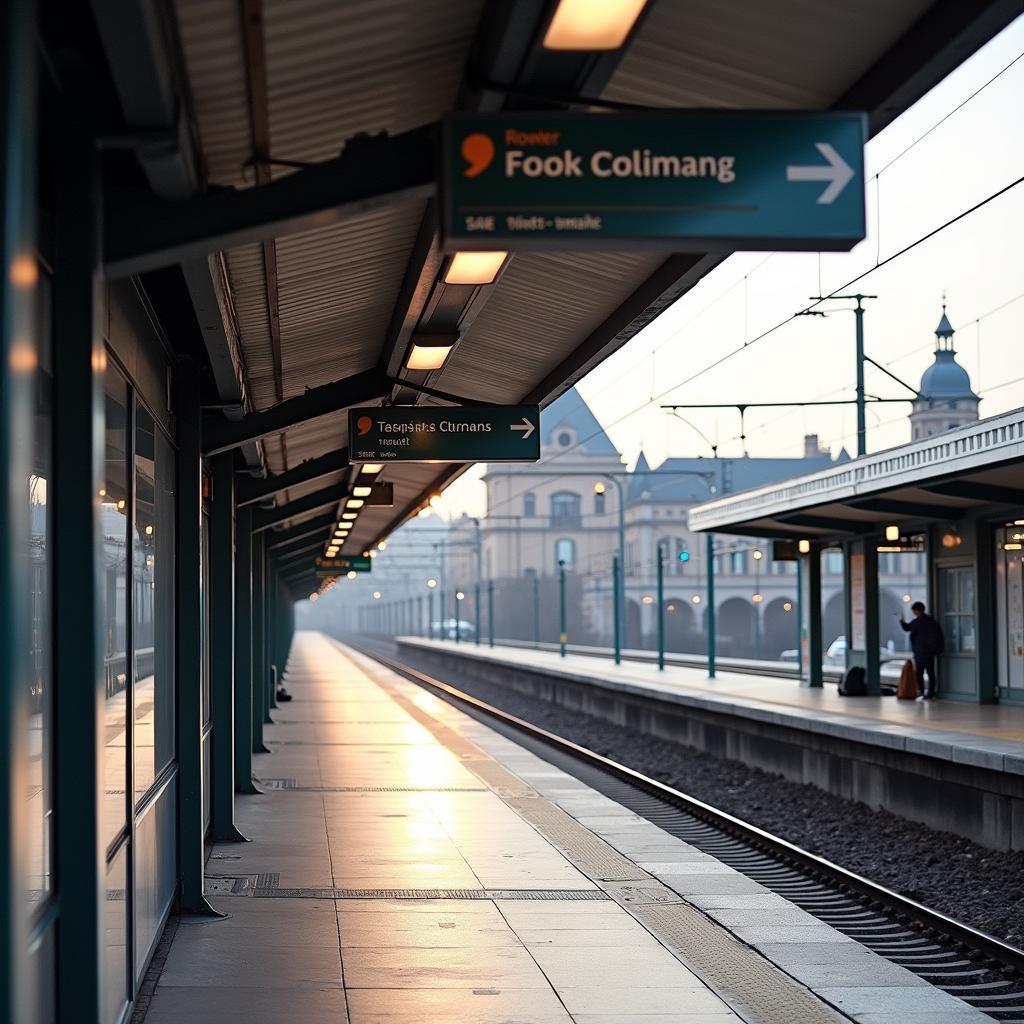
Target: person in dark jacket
(927, 642)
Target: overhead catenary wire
(732, 353)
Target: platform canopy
(978, 468)
(287, 196)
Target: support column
(811, 653)
(188, 509)
(18, 350)
(271, 601)
(79, 360)
(260, 714)
(243, 652)
(222, 650)
(873, 663)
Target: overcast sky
(921, 173)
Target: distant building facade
(946, 399)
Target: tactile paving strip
(434, 894)
(591, 854)
(293, 784)
(758, 991)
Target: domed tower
(946, 398)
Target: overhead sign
(705, 181)
(507, 433)
(345, 563)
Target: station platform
(986, 735)
(408, 864)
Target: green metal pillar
(458, 612)
(222, 650)
(190, 628)
(616, 607)
(661, 609)
(490, 613)
(19, 337)
(272, 602)
(562, 634)
(243, 652)
(811, 653)
(872, 626)
(79, 359)
(476, 613)
(260, 713)
(709, 554)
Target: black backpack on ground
(853, 683)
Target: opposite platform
(409, 864)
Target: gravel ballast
(975, 885)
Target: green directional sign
(345, 563)
(508, 433)
(702, 181)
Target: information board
(507, 433)
(696, 181)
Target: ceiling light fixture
(430, 351)
(592, 24)
(349, 515)
(892, 532)
(475, 268)
(371, 468)
(363, 491)
(355, 503)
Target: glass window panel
(115, 935)
(40, 793)
(153, 593)
(114, 499)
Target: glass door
(958, 618)
(1010, 611)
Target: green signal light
(684, 556)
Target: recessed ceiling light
(362, 492)
(592, 24)
(354, 503)
(474, 267)
(349, 515)
(427, 357)
(371, 468)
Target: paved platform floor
(408, 864)
(990, 734)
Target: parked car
(446, 630)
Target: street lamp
(431, 583)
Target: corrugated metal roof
(211, 38)
(337, 288)
(774, 53)
(545, 305)
(331, 68)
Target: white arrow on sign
(526, 426)
(837, 172)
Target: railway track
(980, 969)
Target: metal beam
(249, 491)
(290, 555)
(278, 540)
(145, 233)
(222, 435)
(824, 523)
(264, 519)
(939, 41)
(243, 652)
(977, 491)
(906, 508)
